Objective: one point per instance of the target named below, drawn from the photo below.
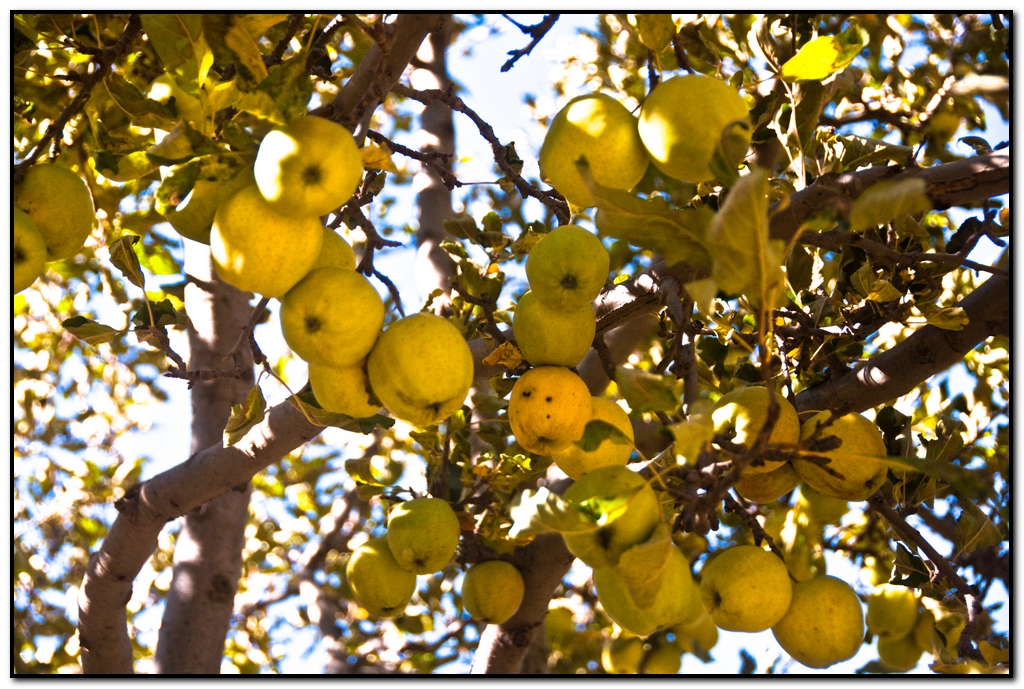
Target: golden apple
(423, 534)
(567, 268)
(899, 654)
(492, 591)
(344, 390)
(28, 253)
(698, 637)
(767, 487)
(60, 205)
(663, 659)
(622, 656)
(335, 252)
(824, 624)
(853, 459)
(553, 337)
(745, 589)
(745, 411)
(378, 582)
(892, 611)
(549, 409)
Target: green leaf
(178, 40)
(142, 111)
(534, 512)
(320, 416)
(191, 193)
(244, 416)
(288, 87)
(703, 292)
(948, 318)
(691, 437)
(824, 56)
(979, 145)
(122, 255)
(645, 391)
(887, 201)
(90, 331)
(164, 314)
(848, 152)
(597, 431)
(123, 168)
(974, 529)
(908, 569)
(249, 58)
(883, 291)
(371, 471)
(676, 234)
(656, 30)
(863, 279)
(463, 227)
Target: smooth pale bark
(208, 550)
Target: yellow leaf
(993, 655)
(377, 157)
(505, 354)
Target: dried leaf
(122, 255)
(244, 416)
(506, 354)
(378, 157)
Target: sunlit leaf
(378, 157)
(824, 56)
(506, 354)
(122, 255)
(645, 391)
(245, 416)
(89, 331)
(142, 111)
(656, 30)
(179, 41)
(887, 201)
(597, 431)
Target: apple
(745, 589)
(553, 337)
(822, 509)
(549, 409)
(378, 582)
(767, 487)
(745, 411)
(259, 250)
(623, 655)
(575, 462)
(344, 390)
(60, 205)
(853, 459)
(421, 369)
(28, 253)
(663, 659)
(492, 591)
(892, 611)
(824, 624)
(310, 167)
(899, 654)
(423, 534)
(335, 252)
(683, 121)
(599, 128)
(333, 317)
(698, 637)
(567, 268)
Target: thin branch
(535, 32)
(760, 535)
(276, 56)
(319, 49)
(427, 158)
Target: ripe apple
(663, 659)
(60, 205)
(28, 253)
(892, 611)
(423, 534)
(824, 624)
(617, 529)
(378, 582)
(862, 475)
(335, 252)
(622, 656)
(767, 487)
(259, 250)
(345, 390)
(682, 125)
(549, 409)
(745, 589)
(575, 462)
(822, 509)
(553, 337)
(745, 411)
(924, 629)
(492, 591)
(567, 268)
(601, 129)
(559, 628)
(421, 369)
(698, 637)
(309, 167)
(899, 654)
(332, 317)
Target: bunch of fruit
(904, 628)
(421, 538)
(53, 216)
(689, 127)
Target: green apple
(892, 611)
(423, 534)
(822, 509)
(559, 627)
(683, 121)
(663, 659)
(824, 624)
(767, 487)
(378, 582)
(492, 591)
(259, 250)
(549, 409)
(553, 337)
(309, 167)
(899, 654)
(421, 369)
(575, 462)
(854, 459)
(28, 253)
(599, 128)
(567, 268)
(924, 631)
(60, 205)
(698, 637)
(345, 390)
(745, 411)
(622, 656)
(746, 589)
(335, 252)
(333, 316)
(623, 507)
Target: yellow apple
(492, 591)
(567, 268)
(663, 659)
(335, 252)
(345, 390)
(745, 589)
(553, 337)
(309, 167)
(60, 205)
(924, 631)
(824, 624)
(622, 656)
(421, 369)
(861, 441)
(332, 317)
(549, 409)
(378, 582)
(899, 654)
(892, 611)
(698, 637)
(745, 411)
(767, 487)
(822, 509)
(682, 125)
(423, 534)
(599, 128)
(259, 250)
(28, 253)
(575, 462)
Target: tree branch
(535, 32)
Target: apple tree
(755, 266)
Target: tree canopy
(842, 246)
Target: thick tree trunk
(208, 552)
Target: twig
(439, 486)
(250, 325)
(319, 48)
(755, 527)
(484, 302)
(535, 32)
(428, 158)
(379, 32)
(605, 356)
(278, 53)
